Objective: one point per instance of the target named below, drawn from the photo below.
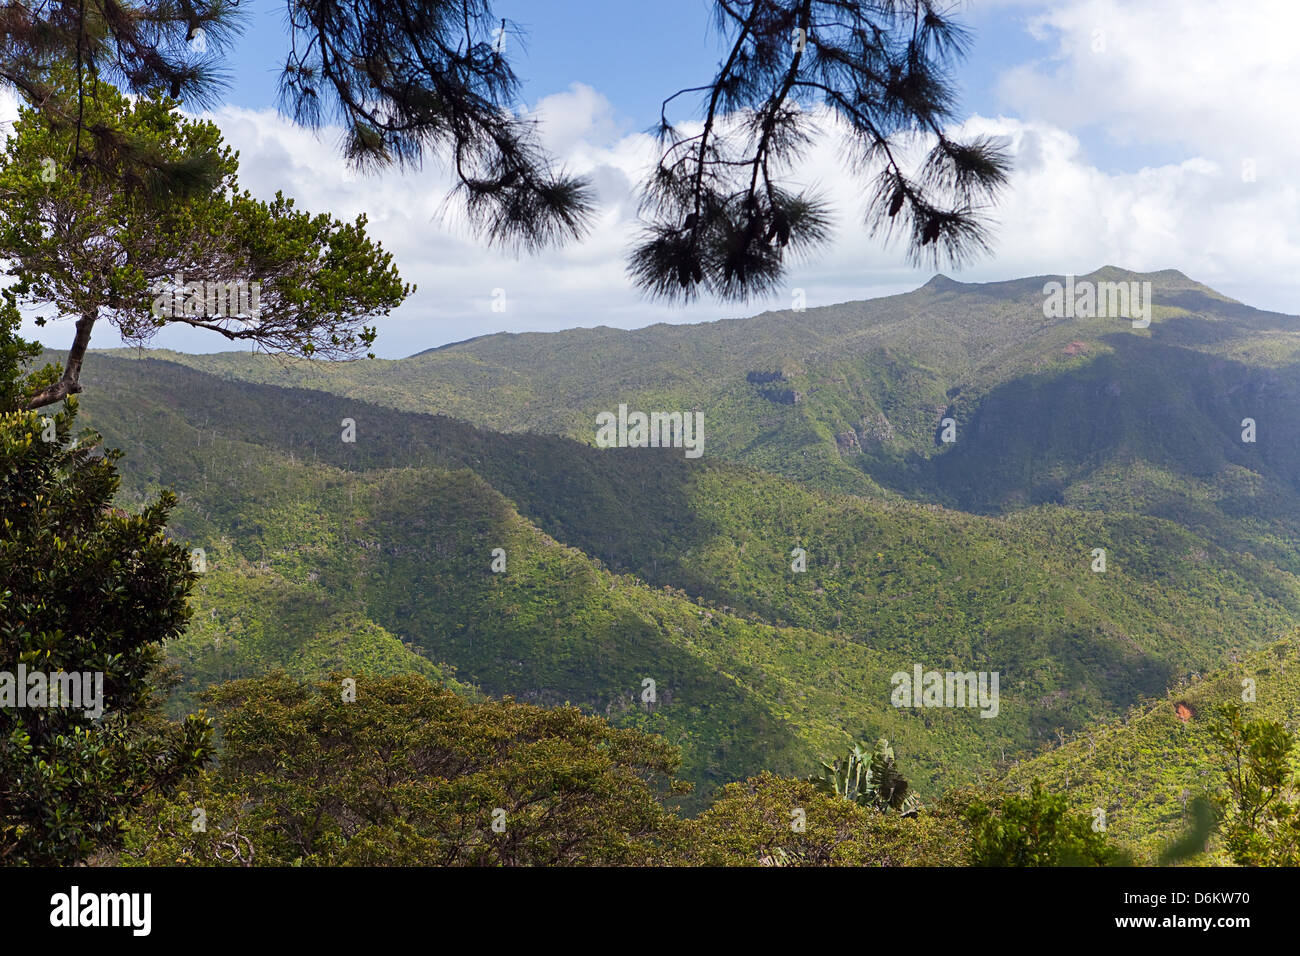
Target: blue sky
(1131, 124)
(636, 54)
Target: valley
(632, 563)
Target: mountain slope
(758, 667)
(1144, 770)
(1086, 412)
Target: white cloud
(1216, 77)
(1212, 80)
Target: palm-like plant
(869, 778)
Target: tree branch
(70, 383)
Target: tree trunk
(70, 384)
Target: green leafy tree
(16, 354)
(106, 245)
(142, 46)
(775, 821)
(1260, 823)
(409, 773)
(870, 779)
(1039, 829)
(84, 588)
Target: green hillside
(850, 397)
(627, 564)
(1145, 770)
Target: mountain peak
(1163, 275)
(941, 283)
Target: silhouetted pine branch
(406, 79)
(718, 218)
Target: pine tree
(720, 217)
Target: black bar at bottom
(582, 906)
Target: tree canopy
(85, 589)
(403, 772)
(1258, 809)
(109, 244)
(407, 773)
(1037, 829)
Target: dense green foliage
(399, 527)
(439, 626)
(407, 773)
(1039, 829)
(659, 592)
(85, 589)
(99, 245)
(772, 821)
(1089, 412)
(1260, 809)
(1148, 770)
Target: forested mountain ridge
(1083, 411)
(652, 564)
